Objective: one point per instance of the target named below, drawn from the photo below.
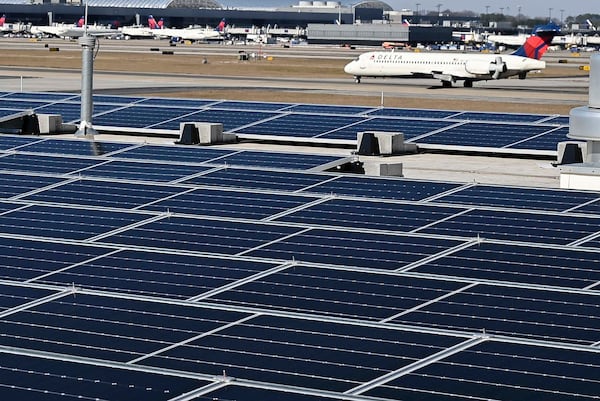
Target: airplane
(140, 31)
(75, 30)
(451, 67)
(12, 28)
(191, 33)
(509, 40)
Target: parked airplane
(140, 31)
(191, 33)
(12, 27)
(75, 30)
(450, 67)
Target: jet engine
(484, 67)
(497, 67)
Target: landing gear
(447, 84)
(357, 80)
(468, 84)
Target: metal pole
(88, 44)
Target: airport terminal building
(367, 22)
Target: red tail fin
(80, 22)
(2, 20)
(152, 22)
(160, 23)
(536, 45)
(221, 25)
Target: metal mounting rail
(416, 365)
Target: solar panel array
(150, 272)
(505, 132)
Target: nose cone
(350, 68)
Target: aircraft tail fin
(160, 24)
(221, 25)
(2, 20)
(152, 24)
(536, 45)
(80, 22)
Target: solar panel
(502, 117)
(174, 154)
(234, 204)
(259, 179)
(562, 120)
(101, 327)
(512, 226)
(520, 264)
(21, 104)
(201, 235)
(143, 171)
(340, 293)
(13, 296)
(12, 185)
(541, 315)
(354, 248)
(229, 104)
(299, 161)
(370, 215)
(504, 371)
(546, 141)
(191, 103)
(156, 274)
(328, 109)
(65, 223)
(319, 355)
(230, 119)
(413, 113)
(300, 125)
(45, 164)
(410, 128)
(105, 194)
(7, 113)
(8, 142)
(513, 197)
(25, 259)
(24, 376)
(140, 116)
(79, 148)
(484, 135)
(401, 189)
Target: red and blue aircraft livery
(536, 45)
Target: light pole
(550, 13)
(438, 7)
(487, 9)
(501, 10)
(562, 11)
(418, 4)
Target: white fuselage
(445, 66)
(72, 31)
(188, 33)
